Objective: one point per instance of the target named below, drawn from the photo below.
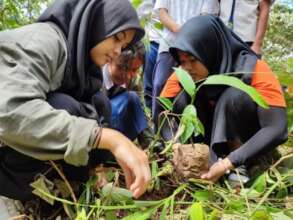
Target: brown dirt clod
(190, 160)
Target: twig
(65, 180)
(281, 160)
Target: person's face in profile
(110, 48)
(193, 66)
(122, 73)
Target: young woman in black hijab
(236, 128)
(48, 76)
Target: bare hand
(217, 170)
(133, 161)
(214, 173)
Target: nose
(117, 51)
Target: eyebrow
(124, 34)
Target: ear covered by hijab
(84, 24)
(217, 47)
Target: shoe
(8, 208)
(235, 180)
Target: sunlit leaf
(168, 105)
(260, 183)
(237, 83)
(116, 193)
(136, 3)
(186, 81)
(261, 215)
(203, 195)
(196, 212)
(159, 26)
(236, 205)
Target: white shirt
(180, 11)
(245, 17)
(145, 11)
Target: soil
(190, 160)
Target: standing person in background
(248, 19)
(173, 14)
(48, 76)
(145, 11)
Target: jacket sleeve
(30, 68)
(273, 132)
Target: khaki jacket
(32, 63)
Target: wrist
(226, 164)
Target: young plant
(189, 122)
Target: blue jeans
(127, 114)
(150, 62)
(162, 71)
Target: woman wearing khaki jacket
(47, 79)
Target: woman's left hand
(217, 170)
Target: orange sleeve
(267, 84)
(172, 87)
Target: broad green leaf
(261, 215)
(42, 186)
(141, 215)
(186, 81)
(237, 83)
(136, 3)
(168, 105)
(196, 212)
(188, 131)
(203, 195)
(189, 114)
(159, 26)
(110, 215)
(199, 128)
(236, 205)
(260, 183)
(116, 193)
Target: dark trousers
(162, 71)
(17, 170)
(150, 62)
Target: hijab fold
(217, 47)
(84, 24)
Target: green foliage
(236, 83)
(17, 13)
(196, 212)
(186, 81)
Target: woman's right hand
(133, 161)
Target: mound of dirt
(190, 160)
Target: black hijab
(85, 23)
(218, 48)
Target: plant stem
(65, 180)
